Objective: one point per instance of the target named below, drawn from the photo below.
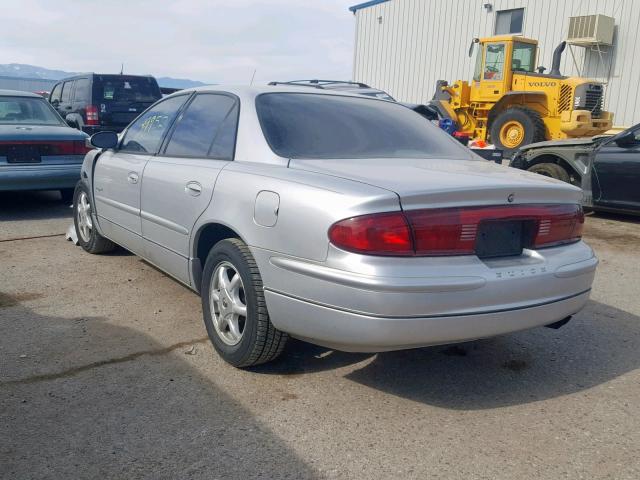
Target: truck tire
(88, 237)
(551, 170)
(515, 127)
(234, 308)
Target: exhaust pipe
(557, 56)
(559, 323)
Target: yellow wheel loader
(510, 103)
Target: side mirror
(626, 140)
(104, 140)
(55, 103)
(71, 122)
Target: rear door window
(82, 91)
(146, 134)
(66, 92)
(207, 128)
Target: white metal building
(405, 46)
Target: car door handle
(132, 177)
(193, 188)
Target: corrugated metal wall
(404, 46)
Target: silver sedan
(345, 221)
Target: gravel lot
(106, 372)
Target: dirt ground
(106, 372)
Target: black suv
(93, 102)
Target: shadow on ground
(67, 411)
(597, 346)
(33, 206)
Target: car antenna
(121, 68)
(253, 76)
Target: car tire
(525, 124)
(243, 340)
(66, 195)
(88, 237)
(551, 170)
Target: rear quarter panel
(308, 204)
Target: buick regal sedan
(38, 150)
(345, 221)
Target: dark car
(38, 150)
(607, 168)
(94, 102)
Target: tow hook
(559, 323)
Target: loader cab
(497, 60)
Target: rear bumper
(39, 177)
(358, 303)
(355, 332)
(580, 123)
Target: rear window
(300, 125)
(116, 88)
(27, 110)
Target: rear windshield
(117, 88)
(300, 125)
(27, 110)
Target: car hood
(428, 182)
(39, 132)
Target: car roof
(245, 91)
(18, 93)
(93, 74)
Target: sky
(212, 41)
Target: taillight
(51, 148)
(378, 234)
(92, 115)
(453, 231)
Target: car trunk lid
(432, 183)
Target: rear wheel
(234, 308)
(516, 127)
(551, 170)
(88, 237)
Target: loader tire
(516, 127)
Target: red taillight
(378, 234)
(92, 115)
(453, 231)
(62, 147)
(559, 224)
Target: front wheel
(551, 170)
(234, 308)
(515, 127)
(88, 237)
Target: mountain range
(33, 71)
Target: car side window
(146, 133)
(66, 91)
(207, 128)
(81, 93)
(55, 93)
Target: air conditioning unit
(590, 30)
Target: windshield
(524, 54)
(27, 110)
(301, 125)
(118, 88)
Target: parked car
(360, 88)
(346, 221)
(607, 168)
(38, 150)
(95, 102)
